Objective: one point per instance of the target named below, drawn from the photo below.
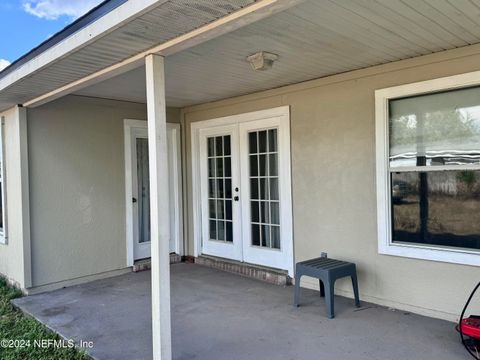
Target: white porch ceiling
(314, 39)
(166, 21)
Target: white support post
(159, 207)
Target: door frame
(175, 148)
(195, 130)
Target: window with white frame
(3, 223)
(428, 171)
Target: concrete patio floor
(217, 315)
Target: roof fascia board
(101, 27)
(248, 15)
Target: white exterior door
(245, 196)
(141, 195)
(221, 213)
(138, 188)
(266, 202)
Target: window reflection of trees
(436, 207)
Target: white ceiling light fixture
(262, 60)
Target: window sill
(440, 254)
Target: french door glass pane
(262, 141)
(275, 233)
(263, 165)
(255, 212)
(228, 209)
(219, 167)
(221, 230)
(211, 167)
(265, 235)
(228, 166)
(253, 165)
(219, 146)
(212, 208)
(229, 231)
(265, 212)
(211, 189)
(275, 213)
(211, 147)
(220, 188)
(264, 194)
(255, 235)
(226, 146)
(272, 140)
(143, 182)
(264, 188)
(228, 188)
(273, 165)
(274, 188)
(253, 188)
(252, 140)
(213, 229)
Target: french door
(245, 191)
(221, 193)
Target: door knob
(134, 200)
(236, 198)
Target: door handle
(236, 198)
(134, 200)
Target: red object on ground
(471, 327)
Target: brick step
(262, 273)
(145, 264)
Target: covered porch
(330, 61)
(218, 315)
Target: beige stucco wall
(77, 188)
(333, 180)
(15, 254)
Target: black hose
(460, 322)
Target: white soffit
(314, 39)
(157, 22)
